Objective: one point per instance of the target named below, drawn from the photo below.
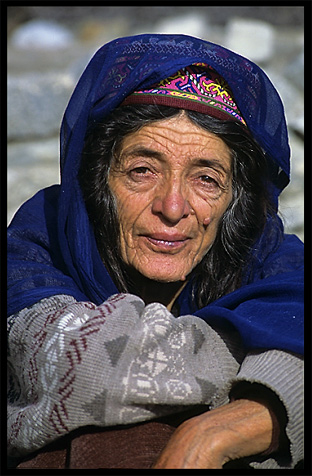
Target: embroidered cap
(197, 87)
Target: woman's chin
(160, 275)
(163, 277)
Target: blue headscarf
(51, 245)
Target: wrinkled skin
(172, 184)
(208, 441)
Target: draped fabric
(51, 246)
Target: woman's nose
(172, 204)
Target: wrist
(266, 396)
(238, 429)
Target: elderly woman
(156, 284)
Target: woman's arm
(272, 379)
(74, 364)
(208, 441)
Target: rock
(36, 103)
(193, 24)
(292, 98)
(42, 34)
(292, 213)
(32, 166)
(294, 71)
(296, 185)
(292, 198)
(251, 38)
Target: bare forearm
(241, 428)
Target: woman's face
(172, 184)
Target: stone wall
(48, 50)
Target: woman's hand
(208, 441)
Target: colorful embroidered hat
(197, 87)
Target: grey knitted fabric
(283, 373)
(73, 364)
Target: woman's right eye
(141, 174)
(140, 170)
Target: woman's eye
(207, 180)
(141, 173)
(140, 170)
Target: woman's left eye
(208, 180)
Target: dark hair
(221, 269)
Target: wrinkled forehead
(176, 141)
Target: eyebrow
(145, 152)
(154, 154)
(213, 164)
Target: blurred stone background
(49, 46)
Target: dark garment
(135, 446)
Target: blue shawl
(51, 246)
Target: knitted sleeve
(279, 376)
(74, 364)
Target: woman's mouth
(167, 243)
